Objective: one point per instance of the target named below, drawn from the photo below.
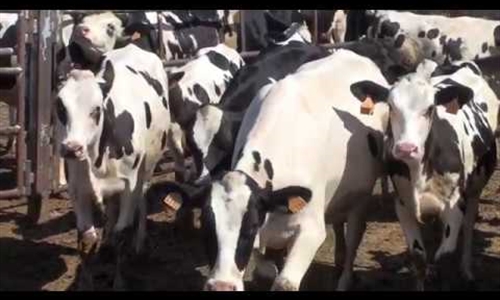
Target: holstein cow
(442, 153)
(213, 133)
(201, 81)
(441, 38)
(116, 124)
(288, 179)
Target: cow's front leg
(309, 238)
(340, 245)
(174, 143)
(356, 226)
(414, 242)
(446, 257)
(468, 229)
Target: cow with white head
(442, 153)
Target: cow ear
(273, 22)
(174, 77)
(175, 195)
(453, 97)
(77, 17)
(289, 200)
(369, 93)
(426, 68)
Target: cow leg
(340, 245)
(356, 226)
(414, 242)
(468, 229)
(174, 143)
(141, 227)
(445, 255)
(301, 254)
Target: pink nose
(406, 149)
(220, 286)
(84, 30)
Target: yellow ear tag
(296, 204)
(135, 36)
(367, 106)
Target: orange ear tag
(452, 107)
(172, 201)
(367, 106)
(296, 204)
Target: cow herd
(284, 144)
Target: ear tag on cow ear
(296, 204)
(367, 106)
(452, 107)
(135, 36)
(173, 202)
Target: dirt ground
(44, 257)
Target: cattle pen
(30, 164)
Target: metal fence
(36, 131)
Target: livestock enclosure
(35, 221)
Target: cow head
(80, 110)
(96, 34)
(413, 102)
(234, 208)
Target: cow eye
(61, 112)
(96, 114)
(111, 29)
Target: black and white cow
(213, 133)
(201, 81)
(288, 179)
(441, 38)
(442, 153)
(116, 123)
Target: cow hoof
(265, 272)
(283, 284)
(119, 283)
(87, 242)
(197, 218)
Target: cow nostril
(84, 30)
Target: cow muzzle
(406, 151)
(219, 286)
(72, 150)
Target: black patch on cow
(447, 231)
(452, 49)
(175, 77)
(466, 130)
(433, 54)
(163, 139)
(484, 47)
(483, 106)
(268, 167)
(190, 91)
(136, 161)
(417, 246)
(164, 102)
(471, 66)
(131, 69)
(96, 115)
(217, 89)
(182, 110)
(462, 205)
(399, 41)
(152, 82)
(108, 77)
(148, 114)
(257, 159)
(209, 234)
(433, 33)
(397, 167)
(201, 94)
(389, 29)
(372, 145)
(496, 35)
(116, 134)
(421, 34)
(442, 40)
(221, 62)
(61, 112)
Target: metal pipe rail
(6, 51)
(11, 130)
(11, 70)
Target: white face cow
(79, 107)
(102, 30)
